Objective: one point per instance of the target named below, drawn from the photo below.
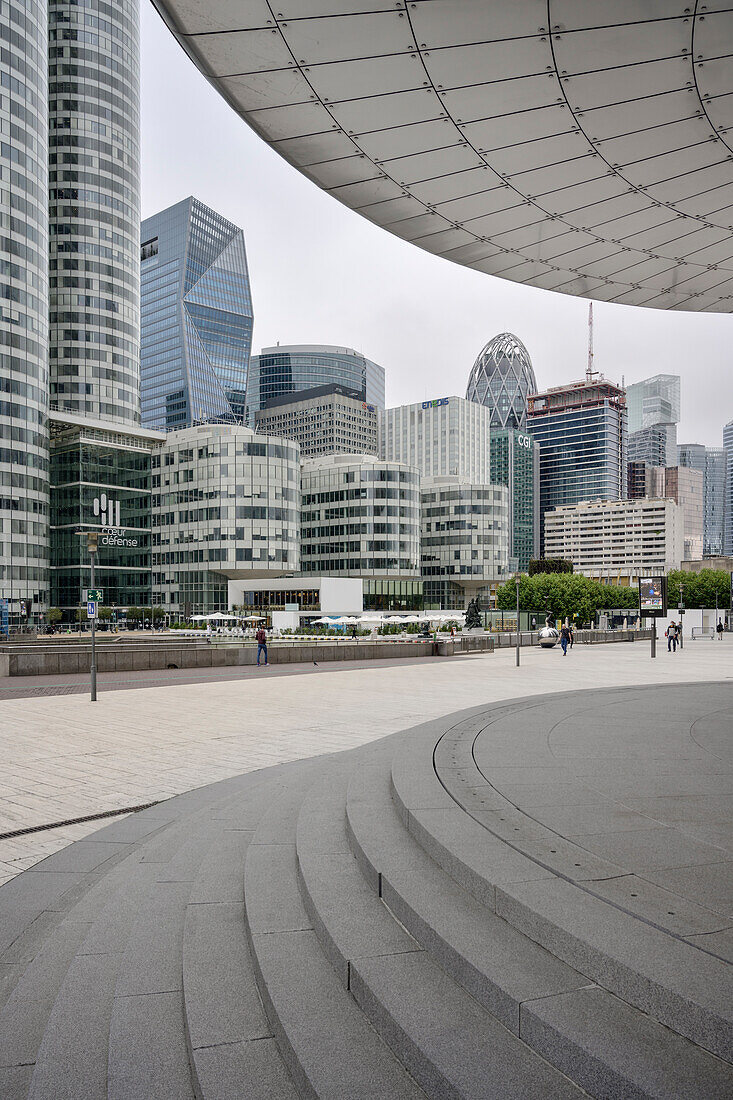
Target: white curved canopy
(591, 153)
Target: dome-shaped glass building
(501, 379)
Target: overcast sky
(321, 274)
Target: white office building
(448, 437)
(464, 540)
(226, 506)
(617, 540)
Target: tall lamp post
(516, 578)
(92, 544)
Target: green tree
(564, 595)
(104, 614)
(54, 615)
(703, 589)
(549, 565)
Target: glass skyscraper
(502, 378)
(196, 317)
(728, 502)
(515, 463)
(279, 371)
(94, 207)
(24, 310)
(653, 408)
(581, 430)
(711, 462)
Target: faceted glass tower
(196, 317)
(94, 208)
(24, 312)
(728, 504)
(502, 378)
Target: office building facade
(710, 461)
(324, 420)
(197, 317)
(515, 463)
(226, 505)
(685, 487)
(100, 481)
(617, 540)
(288, 369)
(502, 378)
(447, 437)
(581, 430)
(728, 492)
(653, 408)
(464, 540)
(94, 208)
(361, 518)
(24, 386)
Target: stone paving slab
(65, 757)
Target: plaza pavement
(65, 758)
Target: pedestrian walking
(261, 637)
(671, 636)
(565, 634)
(572, 636)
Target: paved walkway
(66, 758)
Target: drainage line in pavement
(78, 820)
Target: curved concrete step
(449, 1043)
(329, 1047)
(229, 1038)
(682, 987)
(608, 1047)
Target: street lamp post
(518, 636)
(92, 543)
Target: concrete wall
(53, 660)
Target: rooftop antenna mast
(589, 370)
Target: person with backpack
(719, 629)
(671, 636)
(261, 637)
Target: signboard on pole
(91, 609)
(4, 617)
(653, 596)
(94, 594)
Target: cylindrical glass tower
(94, 207)
(23, 313)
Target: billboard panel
(653, 595)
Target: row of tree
(572, 596)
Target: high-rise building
(617, 540)
(654, 404)
(515, 463)
(685, 487)
(644, 480)
(654, 401)
(197, 317)
(226, 505)
(711, 462)
(324, 420)
(728, 502)
(288, 369)
(94, 208)
(361, 518)
(655, 445)
(581, 430)
(447, 437)
(24, 394)
(100, 481)
(464, 540)
(502, 379)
